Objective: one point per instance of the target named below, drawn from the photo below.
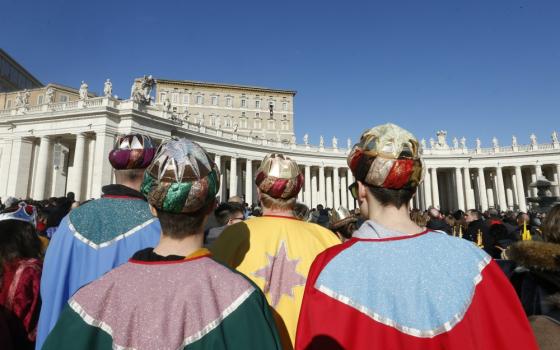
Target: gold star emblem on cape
(280, 275)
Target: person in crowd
(173, 296)
(389, 286)
(343, 223)
(437, 222)
(419, 217)
(537, 280)
(276, 250)
(475, 225)
(322, 216)
(102, 234)
(301, 211)
(498, 240)
(20, 275)
(226, 214)
(524, 222)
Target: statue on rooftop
(321, 141)
(108, 88)
(463, 142)
(83, 92)
(49, 95)
(349, 143)
(554, 137)
(19, 99)
(495, 142)
(334, 142)
(423, 143)
(26, 96)
(514, 141)
(306, 139)
(432, 143)
(478, 143)
(455, 143)
(533, 138)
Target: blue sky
(474, 68)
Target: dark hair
(389, 197)
(551, 225)
(458, 215)
(225, 211)
(181, 225)
(18, 239)
(347, 230)
(475, 213)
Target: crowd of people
(159, 263)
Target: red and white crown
(23, 212)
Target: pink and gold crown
(23, 212)
(135, 151)
(279, 177)
(387, 156)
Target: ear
(153, 210)
(362, 192)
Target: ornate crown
(23, 212)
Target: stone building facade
(50, 149)
(262, 113)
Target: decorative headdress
(182, 178)
(23, 212)
(340, 217)
(279, 177)
(387, 156)
(134, 151)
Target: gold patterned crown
(387, 156)
(279, 176)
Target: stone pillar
(321, 199)
(232, 178)
(20, 168)
(538, 170)
(557, 179)
(336, 180)
(427, 189)
(75, 184)
(501, 189)
(5, 161)
(482, 190)
(520, 190)
(249, 182)
(468, 188)
(102, 170)
(307, 192)
(42, 168)
(435, 188)
(329, 189)
(344, 191)
(350, 180)
(314, 193)
(460, 192)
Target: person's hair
(458, 215)
(301, 211)
(129, 175)
(551, 225)
(450, 220)
(18, 239)
(418, 217)
(181, 225)
(235, 199)
(225, 211)
(277, 203)
(434, 213)
(347, 230)
(493, 213)
(477, 214)
(389, 197)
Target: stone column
(344, 191)
(349, 181)
(501, 189)
(307, 192)
(329, 189)
(232, 178)
(18, 176)
(336, 180)
(468, 188)
(322, 199)
(460, 192)
(249, 181)
(75, 183)
(102, 170)
(482, 190)
(42, 168)
(428, 189)
(520, 190)
(557, 188)
(435, 188)
(314, 193)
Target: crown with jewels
(23, 212)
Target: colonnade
(325, 185)
(503, 186)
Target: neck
(135, 185)
(393, 218)
(181, 247)
(278, 212)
